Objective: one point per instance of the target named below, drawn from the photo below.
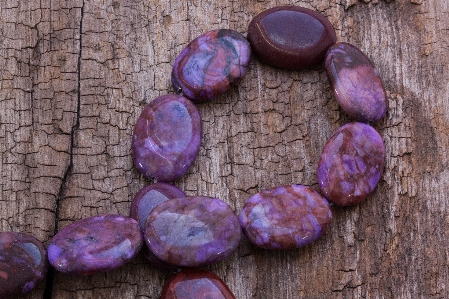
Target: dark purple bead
(285, 217)
(167, 137)
(356, 83)
(290, 37)
(192, 231)
(193, 283)
(95, 244)
(144, 202)
(211, 64)
(23, 263)
(351, 164)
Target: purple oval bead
(167, 137)
(192, 231)
(356, 83)
(285, 217)
(351, 164)
(143, 203)
(23, 263)
(95, 244)
(290, 37)
(211, 64)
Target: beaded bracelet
(182, 231)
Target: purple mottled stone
(290, 37)
(192, 231)
(285, 217)
(351, 164)
(23, 263)
(211, 64)
(167, 137)
(95, 244)
(356, 83)
(143, 203)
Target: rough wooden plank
(76, 74)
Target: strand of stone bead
(207, 67)
(352, 160)
(359, 151)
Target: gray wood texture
(75, 75)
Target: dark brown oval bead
(290, 37)
(195, 283)
(23, 263)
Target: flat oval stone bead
(143, 203)
(192, 231)
(211, 64)
(95, 244)
(356, 83)
(167, 137)
(351, 164)
(23, 263)
(195, 283)
(285, 217)
(290, 37)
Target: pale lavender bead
(285, 217)
(143, 203)
(95, 244)
(192, 231)
(351, 164)
(166, 138)
(356, 83)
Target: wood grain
(76, 74)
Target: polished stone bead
(193, 283)
(351, 164)
(211, 64)
(23, 263)
(143, 203)
(167, 137)
(290, 37)
(356, 83)
(95, 244)
(192, 231)
(285, 217)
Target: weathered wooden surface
(76, 74)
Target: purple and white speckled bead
(351, 164)
(285, 217)
(167, 138)
(356, 83)
(95, 244)
(211, 64)
(192, 231)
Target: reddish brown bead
(290, 37)
(195, 283)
